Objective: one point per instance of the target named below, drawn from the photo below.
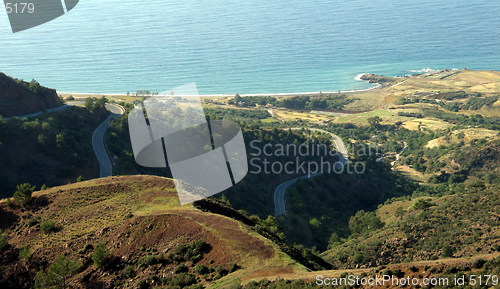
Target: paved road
(279, 192)
(105, 165)
(40, 112)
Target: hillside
(51, 149)
(149, 237)
(152, 242)
(430, 85)
(18, 97)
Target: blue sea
(256, 46)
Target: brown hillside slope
(21, 98)
(134, 217)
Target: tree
(23, 193)
(60, 140)
(237, 98)
(42, 139)
(100, 255)
(334, 240)
(34, 86)
(375, 122)
(363, 222)
(58, 273)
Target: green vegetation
(252, 100)
(4, 241)
(93, 103)
(58, 273)
(306, 102)
(190, 252)
(235, 114)
(332, 102)
(410, 114)
(100, 255)
(462, 120)
(24, 254)
(149, 260)
(422, 204)
(23, 193)
(49, 149)
(48, 226)
(364, 222)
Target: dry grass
(122, 212)
(485, 82)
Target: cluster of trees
(252, 100)
(33, 86)
(50, 149)
(235, 114)
(473, 103)
(336, 102)
(306, 102)
(462, 120)
(93, 103)
(64, 268)
(410, 114)
(476, 103)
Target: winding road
(279, 193)
(58, 108)
(105, 164)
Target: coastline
(277, 94)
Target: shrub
(422, 204)
(201, 269)
(479, 263)
(447, 251)
(398, 273)
(181, 268)
(85, 249)
(24, 254)
(143, 284)
(57, 274)
(23, 193)
(413, 268)
(127, 272)
(233, 267)
(149, 260)
(190, 252)
(33, 221)
(357, 258)
(181, 280)
(48, 227)
(100, 255)
(363, 222)
(219, 270)
(4, 241)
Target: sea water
(255, 46)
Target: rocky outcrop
(18, 97)
(373, 78)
